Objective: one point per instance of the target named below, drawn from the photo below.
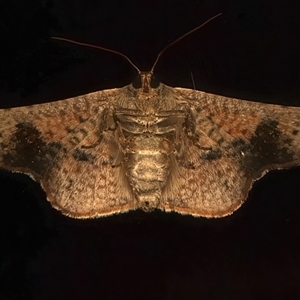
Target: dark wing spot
(211, 155)
(81, 155)
(27, 149)
(269, 147)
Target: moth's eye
(154, 82)
(137, 82)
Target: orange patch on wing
(242, 127)
(56, 128)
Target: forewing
(235, 143)
(64, 146)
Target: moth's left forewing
(235, 142)
(63, 146)
(29, 132)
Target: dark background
(251, 52)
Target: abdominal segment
(147, 168)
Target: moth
(148, 147)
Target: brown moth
(174, 149)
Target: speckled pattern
(169, 148)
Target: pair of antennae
(126, 57)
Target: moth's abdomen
(147, 168)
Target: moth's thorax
(148, 103)
(152, 112)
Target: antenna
(97, 47)
(126, 57)
(180, 38)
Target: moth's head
(145, 81)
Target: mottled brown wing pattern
(62, 145)
(87, 151)
(237, 142)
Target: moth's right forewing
(235, 143)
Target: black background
(250, 52)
